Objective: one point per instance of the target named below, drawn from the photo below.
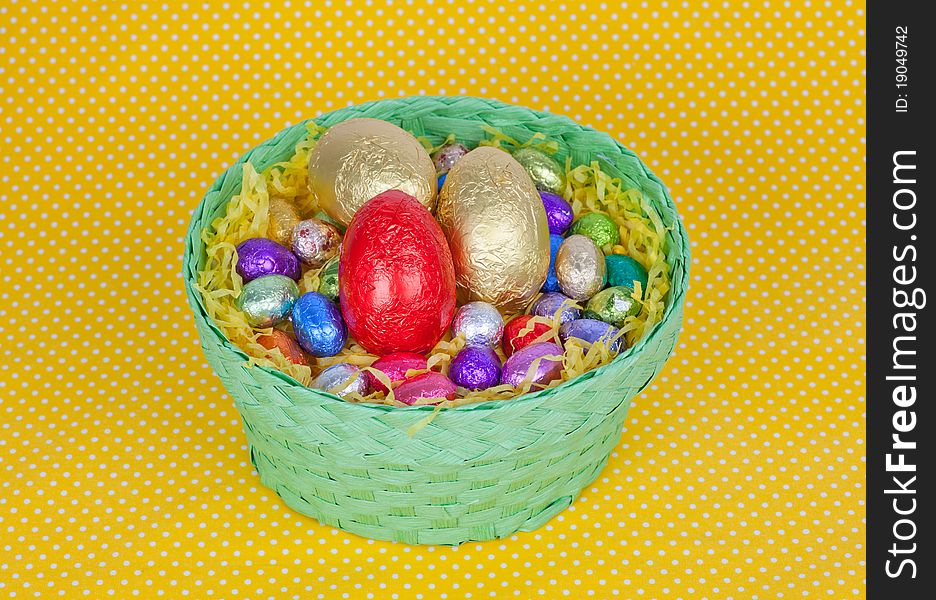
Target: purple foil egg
(475, 368)
(427, 385)
(591, 331)
(549, 304)
(258, 257)
(516, 367)
(559, 213)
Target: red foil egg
(513, 341)
(396, 279)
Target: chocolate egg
(342, 379)
(547, 174)
(580, 268)
(396, 280)
(552, 304)
(558, 212)
(548, 369)
(283, 219)
(552, 283)
(475, 368)
(613, 305)
(318, 325)
(357, 159)
(314, 242)
(285, 344)
(257, 257)
(624, 270)
(513, 341)
(599, 227)
(395, 366)
(480, 323)
(267, 300)
(427, 385)
(328, 279)
(591, 331)
(445, 157)
(496, 226)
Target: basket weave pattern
(475, 472)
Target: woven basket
(476, 472)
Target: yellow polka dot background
(123, 467)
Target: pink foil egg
(427, 385)
(395, 366)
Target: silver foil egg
(314, 242)
(267, 300)
(580, 267)
(337, 379)
(481, 324)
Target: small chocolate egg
(513, 341)
(358, 159)
(613, 305)
(426, 385)
(257, 257)
(558, 212)
(475, 368)
(599, 227)
(580, 268)
(480, 323)
(328, 279)
(342, 379)
(548, 369)
(318, 325)
(553, 303)
(624, 270)
(444, 158)
(395, 366)
(591, 331)
(267, 300)
(283, 219)
(552, 283)
(547, 174)
(314, 242)
(285, 344)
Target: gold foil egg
(496, 226)
(283, 219)
(357, 159)
(546, 172)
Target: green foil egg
(544, 170)
(612, 305)
(267, 300)
(624, 270)
(328, 280)
(599, 227)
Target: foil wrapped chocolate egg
(267, 300)
(475, 368)
(513, 340)
(480, 323)
(395, 367)
(580, 268)
(592, 331)
(427, 385)
(257, 257)
(314, 242)
(445, 157)
(612, 305)
(283, 219)
(396, 279)
(495, 223)
(358, 159)
(552, 282)
(547, 174)
(599, 227)
(342, 379)
(558, 212)
(328, 279)
(318, 325)
(285, 344)
(548, 359)
(555, 304)
(624, 270)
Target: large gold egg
(357, 159)
(496, 226)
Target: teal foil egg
(624, 270)
(267, 300)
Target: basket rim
(677, 291)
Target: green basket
(475, 472)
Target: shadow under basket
(476, 472)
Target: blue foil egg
(552, 282)
(591, 331)
(318, 325)
(442, 180)
(549, 304)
